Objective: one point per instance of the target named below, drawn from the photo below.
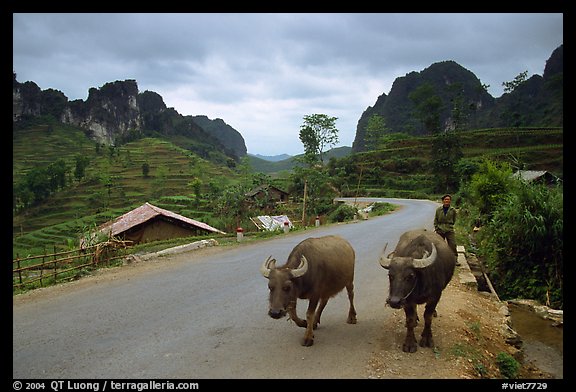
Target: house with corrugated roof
(149, 223)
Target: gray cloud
(262, 73)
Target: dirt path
(469, 333)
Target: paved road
(203, 315)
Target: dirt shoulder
(469, 332)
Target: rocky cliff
(117, 112)
(537, 101)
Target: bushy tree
(489, 185)
(375, 132)
(81, 162)
(446, 153)
(427, 107)
(317, 133)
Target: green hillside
(114, 182)
(402, 169)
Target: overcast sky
(262, 73)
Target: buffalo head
(402, 274)
(280, 283)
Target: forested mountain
(446, 88)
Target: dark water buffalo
(419, 269)
(317, 269)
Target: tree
(446, 150)
(518, 80)
(145, 169)
(427, 107)
(446, 153)
(80, 168)
(57, 175)
(375, 132)
(196, 185)
(317, 133)
(460, 111)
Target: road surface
(203, 314)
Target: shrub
(507, 365)
(342, 213)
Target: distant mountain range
(272, 158)
(117, 112)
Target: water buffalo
(419, 269)
(317, 269)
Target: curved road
(203, 315)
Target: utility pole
(358, 186)
(304, 205)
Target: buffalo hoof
(410, 345)
(351, 320)
(307, 342)
(409, 348)
(301, 323)
(426, 341)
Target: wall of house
(159, 229)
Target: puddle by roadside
(542, 339)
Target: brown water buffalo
(419, 269)
(317, 269)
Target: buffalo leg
(426, 339)
(410, 344)
(352, 312)
(323, 303)
(310, 316)
(292, 312)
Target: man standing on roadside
(444, 221)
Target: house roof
(143, 214)
(531, 175)
(262, 188)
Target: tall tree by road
(317, 133)
(375, 132)
(427, 107)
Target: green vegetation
(316, 134)
(508, 365)
(112, 184)
(521, 236)
(86, 184)
(521, 232)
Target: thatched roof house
(150, 223)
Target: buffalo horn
(385, 261)
(426, 261)
(266, 266)
(302, 268)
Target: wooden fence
(47, 269)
